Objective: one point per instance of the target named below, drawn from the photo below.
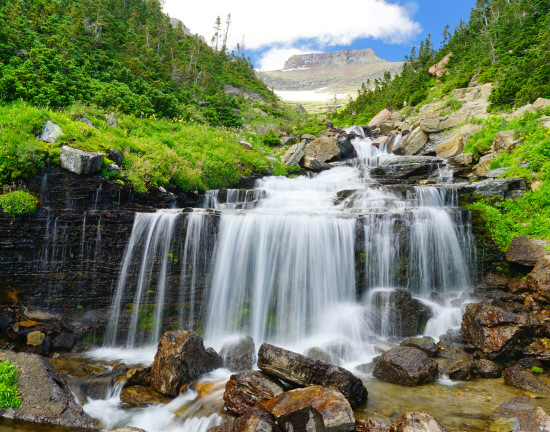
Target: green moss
(9, 397)
(18, 203)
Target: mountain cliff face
(336, 58)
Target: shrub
(19, 203)
(271, 139)
(9, 398)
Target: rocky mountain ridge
(335, 58)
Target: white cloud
(289, 24)
(274, 58)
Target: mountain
(340, 72)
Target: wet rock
(180, 358)
(128, 429)
(249, 389)
(294, 154)
(517, 376)
(539, 349)
(38, 316)
(116, 156)
(530, 418)
(322, 355)
(45, 393)
(406, 366)
(35, 338)
(399, 308)
(304, 419)
(493, 282)
(65, 341)
(141, 376)
(418, 421)
(347, 150)
(255, 420)
(495, 332)
(324, 149)
(314, 164)
(382, 115)
(239, 355)
(332, 406)
(461, 370)
(526, 251)
(463, 159)
(303, 371)
(143, 395)
(368, 425)
(484, 368)
(425, 345)
(412, 144)
(80, 162)
(50, 133)
(538, 280)
(366, 368)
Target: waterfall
(312, 260)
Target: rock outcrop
(250, 389)
(526, 251)
(80, 162)
(303, 371)
(406, 366)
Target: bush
(271, 139)
(8, 386)
(19, 203)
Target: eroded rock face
(254, 421)
(249, 389)
(530, 418)
(181, 358)
(406, 366)
(303, 371)
(45, 393)
(495, 332)
(538, 280)
(80, 162)
(239, 355)
(527, 251)
(333, 407)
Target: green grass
(18, 203)
(9, 398)
(157, 152)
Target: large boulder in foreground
(254, 421)
(329, 146)
(406, 366)
(45, 393)
(496, 332)
(80, 162)
(181, 358)
(250, 389)
(303, 371)
(239, 355)
(526, 416)
(288, 409)
(538, 280)
(524, 379)
(527, 251)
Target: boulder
(141, 376)
(526, 251)
(334, 409)
(303, 419)
(412, 144)
(484, 368)
(314, 164)
(308, 137)
(417, 422)
(347, 150)
(427, 346)
(493, 282)
(84, 120)
(50, 132)
(245, 145)
(395, 313)
(380, 140)
(264, 130)
(406, 366)
(524, 379)
(541, 104)
(369, 425)
(65, 341)
(143, 395)
(111, 120)
(524, 109)
(80, 162)
(440, 69)
(386, 126)
(303, 371)
(496, 173)
(250, 389)
(324, 149)
(502, 188)
(46, 395)
(495, 332)
(450, 148)
(461, 370)
(294, 154)
(505, 141)
(255, 420)
(538, 280)
(483, 167)
(382, 115)
(530, 418)
(464, 159)
(35, 338)
(239, 355)
(288, 140)
(180, 359)
(322, 355)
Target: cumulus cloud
(274, 58)
(289, 24)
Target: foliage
(506, 42)
(537, 370)
(9, 398)
(121, 55)
(500, 227)
(157, 152)
(18, 203)
(271, 139)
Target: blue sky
(275, 32)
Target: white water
(281, 264)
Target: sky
(274, 31)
